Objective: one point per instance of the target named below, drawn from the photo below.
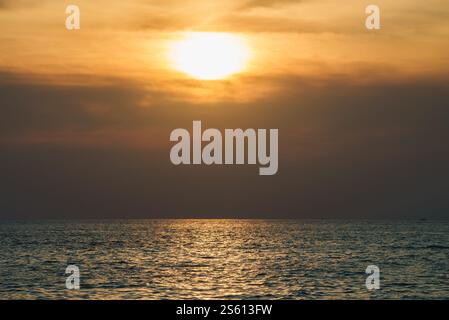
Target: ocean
(225, 259)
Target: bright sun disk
(209, 55)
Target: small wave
(437, 247)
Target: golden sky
(308, 38)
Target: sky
(86, 115)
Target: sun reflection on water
(223, 259)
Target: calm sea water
(224, 259)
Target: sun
(209, 55)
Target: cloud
(13, 4)
(269, 3)
(4, 4)
(347, 149)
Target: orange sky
(308, 38)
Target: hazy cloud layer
(345, 150)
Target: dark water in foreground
(224, 259)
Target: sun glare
(209, 55)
